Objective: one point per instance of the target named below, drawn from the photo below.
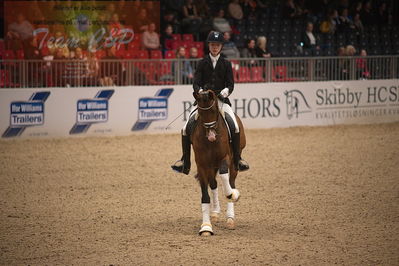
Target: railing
(81, 73)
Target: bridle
(213, 124)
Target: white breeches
(223, 108)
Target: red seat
(128, 55)
(170, 54)
(188, 38)
(2, 47)
(156, 54)
(280, 74)
(176, 37)
(243, 74)
(137, 38)
(20, 54)
(176, 44)
(8, 55)
(199, 45)
(257, 74)
(187, 44)
(133, 46)
(100, 54)
(4, 78)
(120, 53)
(142, 54)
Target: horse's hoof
(214, 217)
(206, 234)
(235, 195)
(230, 223)
(206, 230)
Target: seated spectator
(31, 51)
(191, 21)
(329, 24)
(220, 23)
(309, 40)
(382, 16)
(150, 39)
(115, 25)
(92, 71)
(261, 47)
(111, 69)
(350, 50)
(34, 65)
(171, 19)
(19, 33)
(235, 10)
(362, 71)
(289, 10)
(167, 38)
(230, 49)
(357, 24)
(142, 22)
(344, 21)
(367, 15)
(339, 68)
(249, 51)
(202, 9)
(185, 66)
(76, 68)
(193, 53)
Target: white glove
(200, 90)
(225, 92)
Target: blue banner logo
(152, 109)
(90, 111)
(25, 114)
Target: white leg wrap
(215, 205)
(230, 210)
(226, 184)
(205, 213)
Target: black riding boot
(183, 166)
(239, 164)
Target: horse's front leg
(231, 193)
(215, 205)
(206, 226)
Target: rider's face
(215, 48)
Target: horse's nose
(211, 135)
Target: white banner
(63, 112)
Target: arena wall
(65, 112)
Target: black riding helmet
(215, 36)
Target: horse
(213, 155)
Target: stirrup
(179, 167)
(243, 165)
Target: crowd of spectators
(252, 29)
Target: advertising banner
(64, 112)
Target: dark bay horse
(213, 155)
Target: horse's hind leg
(215, 205)
(230, 215)
(206, 226)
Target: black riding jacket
(206, 77)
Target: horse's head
(208, 112)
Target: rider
(213, 72)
